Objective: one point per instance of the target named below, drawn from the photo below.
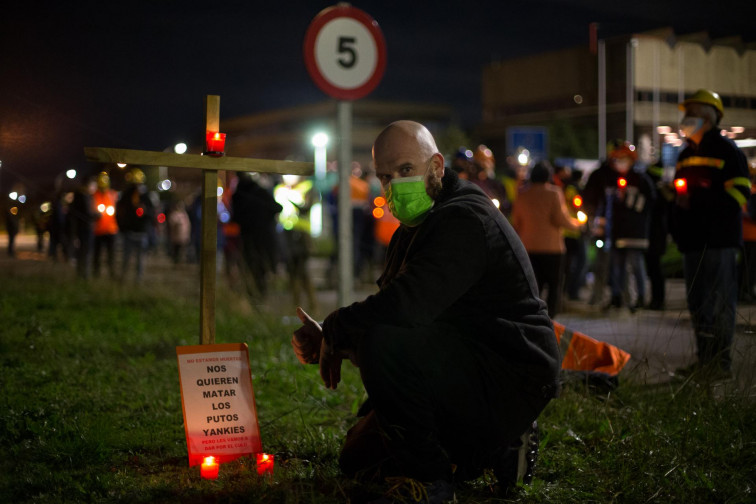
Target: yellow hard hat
(103, 180)
(707, 98)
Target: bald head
(406, 149)
(407, 134)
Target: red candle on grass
(209, 468)
(264, 463)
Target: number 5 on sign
(345, 52)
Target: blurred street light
(320, 142)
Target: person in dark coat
(255, 209)
(11, 226)
(135, 214)
(630, 199)
(657, 237)
(83, 215)
(456, 351)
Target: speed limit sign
(345, 52)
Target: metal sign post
(345, 54)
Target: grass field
(90, 411)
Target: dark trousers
(106, 242)
(438, 398)
(747, 272)
(549, 273)
(711, 279)
(656, 278)
(576, 259)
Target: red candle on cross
(216, 142)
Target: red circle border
(325, 16)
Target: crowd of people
(263, 229)
(600, 237)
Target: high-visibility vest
(105, 203)
(583, 353)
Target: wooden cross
(210, 167)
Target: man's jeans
(711, 280)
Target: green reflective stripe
(564, 342)
(737, 195)
(739, 181)
(656, 170)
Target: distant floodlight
(121, 165)
(179, 148)
(319, 140)
(523, 157)
(13, 195)
(71, 173)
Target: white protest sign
(220, 417)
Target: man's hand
(330, 365)
(308, 339)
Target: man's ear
(437, 164)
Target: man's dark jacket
(466, 266)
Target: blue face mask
(690, 125)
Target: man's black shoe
(704, 372)
(518, 463)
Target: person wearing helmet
(106, 227)
(135, 214)
(712, 184)
(629, 201)
(456, 322)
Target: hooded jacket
(465, 266)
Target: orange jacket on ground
(583, 353)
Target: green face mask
(408, 200)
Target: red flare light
(681, 185)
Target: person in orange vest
(105, 227)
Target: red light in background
(379, 201)
(577, 201)
(621, 183)
(140, 211)
(161, 218)
(378, 213)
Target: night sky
(133, 74)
